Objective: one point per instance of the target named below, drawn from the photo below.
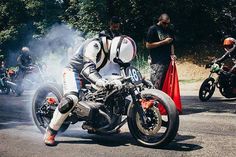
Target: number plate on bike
(135, 75)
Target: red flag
(171, 87)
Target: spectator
(114, 28)
(159, 41)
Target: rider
(24, 61)
(90, 60)
(2, 66)
(3, 72)
(230, 48)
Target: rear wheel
(207, 89)
(43, 109)
(160, 129)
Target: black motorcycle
(4, 87)
(102, 110)
(11, 82)
(33, 77)
(225, 81)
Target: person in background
(230, 54)
(23, 61)
(230, 50)
(3, 68)
(114, 28)
(160, 43)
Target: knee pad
(65, 105)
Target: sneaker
(49, 138)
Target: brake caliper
(146, 104)
(51, 101)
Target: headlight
(215, 67)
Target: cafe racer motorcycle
(225, 80)
(102, 110)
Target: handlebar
(124, 82)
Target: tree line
(195, 22)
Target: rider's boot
(49, 137)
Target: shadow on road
(191, 105)
(125, 139)
(121, 139)
(178, 144)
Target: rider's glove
(116, 83)
(101, 83)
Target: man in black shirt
(114, 28)
(159, 41)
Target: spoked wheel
(160, 129)
(45, 101)
(207, 89)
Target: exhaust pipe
(11, 84)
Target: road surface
(206, 129)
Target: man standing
(159, 41)
(114, 28)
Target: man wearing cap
(114, 28)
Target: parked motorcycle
(102, 110)
(33, 78)
(4, 88)
(10, 82)
(225, 81)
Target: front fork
(136, 97)
(216, 80)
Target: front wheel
(160, 129)
(207, 89)
(44, 103)
(5, 90)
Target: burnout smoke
(55, 48)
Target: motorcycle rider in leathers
(93, 59)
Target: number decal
(134, 74)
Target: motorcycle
(4, 88)
(102, 109)
(33, 77)
(10, 82)
(225, 81)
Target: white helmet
(123, 48)
(106, 43)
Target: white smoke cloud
(55, 48)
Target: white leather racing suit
(89, 61)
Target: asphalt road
(206, 129)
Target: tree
(88, 16)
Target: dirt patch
(188, 71)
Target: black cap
(115, 19)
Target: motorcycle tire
(207, 89)
(5, 90)
(39, 98)
(167, 128)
